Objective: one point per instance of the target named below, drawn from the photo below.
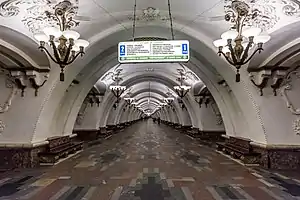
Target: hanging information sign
(154, 51)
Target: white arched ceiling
(108, 26)
(160, 84)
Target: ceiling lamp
(65, 43)
(129, 100)
(182, 89)
(236, 44)
(117, 89)
(169, 100)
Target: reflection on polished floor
(148, 162)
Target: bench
(104, 132)
(193, 132)
(59, 147)
(239, 148)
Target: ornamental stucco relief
(268, 12)
(150, 14)
(7, 104)
(291, 77)
(35, 17)
(296, 126)
(2, 126)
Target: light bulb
(71, 34)
(226, 50)
(220, 43)
(231, 34)
(75, 48)
(82, 43)
(52, 31)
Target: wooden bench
(239, 148)
(59, 147)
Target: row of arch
(58, 109)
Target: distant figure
(158, 120)
(154, 119)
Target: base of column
(19, 157)
(212, 136)
(87, 135)
(281, 158)
(239, 148)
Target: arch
(21, 48)
(207, 66)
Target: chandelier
(237, 45)
(129, 100)
(117, 89)
(182, 89)
(65, 43)
(169, 100)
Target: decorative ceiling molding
(268, 12)
(36, 16)
(150, 14)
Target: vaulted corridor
(148, 161)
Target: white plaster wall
(22, 118)
(277, 118)
(209, 119)
(89, 121)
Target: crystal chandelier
(182, 89)
(237, 44)
(65, 43)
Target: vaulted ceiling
(100, 19)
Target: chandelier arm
(74, 58)
(114, 93)
(246, 51)
(67, 54)
(257, 50)
(232, 53)
(55, 52)
(228, 60)
(47, 52)
(185, 93)
(122, 92)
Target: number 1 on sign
(184, 49)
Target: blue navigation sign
(185, 49)
(122, 50)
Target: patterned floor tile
(149, 161)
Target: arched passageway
(256, 120)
